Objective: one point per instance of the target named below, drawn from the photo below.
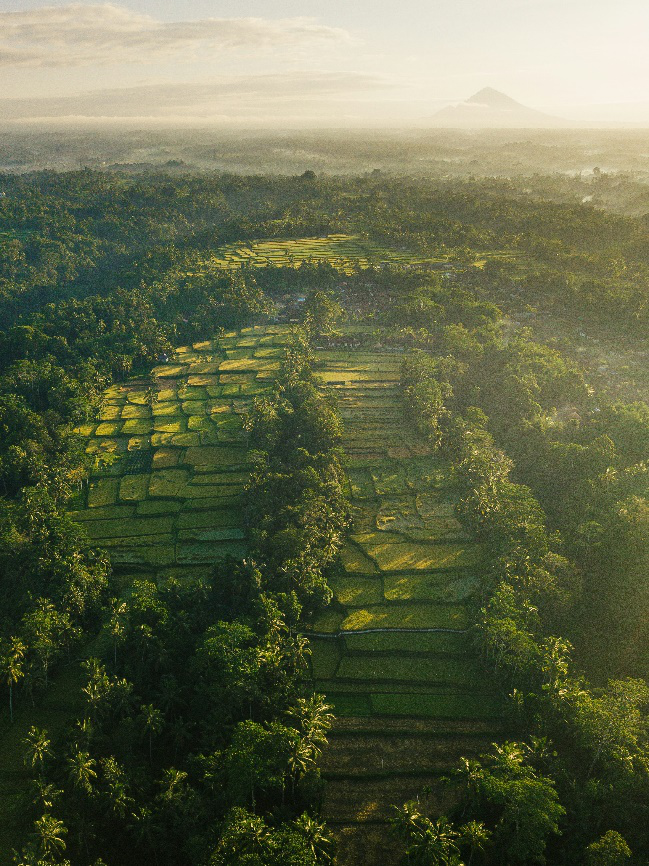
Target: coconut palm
(50, 835)
(12, 667)
(173, 784)
(313, 721)
(318, 840)
(38, 747)
(117, 625)
(46, 795)
(429, 843)
(81, 769)
(152, 722)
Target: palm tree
(151, 397)
(47, 795)
(12, 669)
(50, 833)
(440, 844)
(476, 836)
(116, 625)
(38, 747)
(117, 781)
(147, 831)
(429, 843)
(173, 784)
(299, 761)
(319, 841)
(181, 734)
(152, 722)
(81, 769)
(50, 630)
(407, 821)
(313, 721)
(250, 835)
(97, 686)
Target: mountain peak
(489, 108)
(493, 99)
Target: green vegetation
(527, 803)
(370, 669)
(384, 572)
(140, 733)
(450, 504)
(529, 584)
(439, 705)
(429, 587)
(414, 616)
(165, 763)
(296, 509)
(346, 253)
(189, 503)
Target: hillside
(392, 652)
(393, 646)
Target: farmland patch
(395, 643)
(170, 495)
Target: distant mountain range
(490, 108)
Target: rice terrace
(344, 252)
(176, 455)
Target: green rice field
(172, 458)
(345, 252)
(407, 569)
(393, 652)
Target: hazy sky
(334, 62)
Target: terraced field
(166, 499)
(345, 252)
(392, 653)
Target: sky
(298, 63)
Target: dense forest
(564, 161)
(197, 733)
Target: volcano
(489, 108)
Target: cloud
(242, 98)
(106, 34)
